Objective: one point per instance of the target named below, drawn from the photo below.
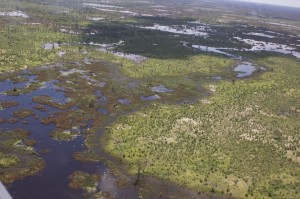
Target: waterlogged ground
(63, 108)
(57, 125)
(110, 100)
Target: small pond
(245, 69)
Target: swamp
(149, 99)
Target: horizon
(288, 3)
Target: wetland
(135, 99)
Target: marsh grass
(84, 181)
(17, 159)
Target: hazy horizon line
(287, 3)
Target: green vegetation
(22, 46)
(88, 183)
(28, 89)
(30, 142)
(17, 158)
(8, 161)
(122, 183)
(67, 120)
(205, 65)
(85, 181)
(242, 141)
(47, 100)
(8, 104)
(65, 135)
(87, 156)
(23, 113)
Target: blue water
(161, 89)
(245, 69)
(53, 181)
(150, 98)
(124, 101)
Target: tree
(141, 166)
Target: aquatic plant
(85, 181)
(19, 160)
(23, 113)
(64, 135)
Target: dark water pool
(53, 181)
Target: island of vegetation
(149, 99)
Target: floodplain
(149, 99)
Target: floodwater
(260, 35)
(101, 99)
(245, 69)
(61, 53)
(59, 160)
(93, 5)
(110, 49)
(72, 71)
(96, 19)
(124, 101)
(179, 29)
(161, 89)
(50, 46)
(218, 78)
(150, 98)
(132, 57)
(217, 50)
(108, 8)
(52, 182)
(14, 14)
(103, 111)
(257, 46)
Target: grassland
(242, 141)
(179, 67)
(21, 46)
